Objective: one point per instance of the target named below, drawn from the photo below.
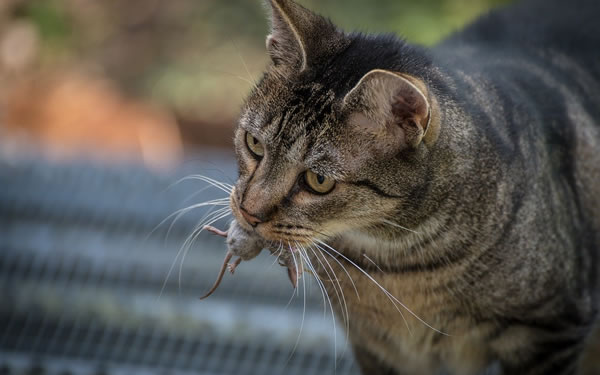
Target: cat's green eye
(319, 183)
(254, 145)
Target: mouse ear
(389, 103)
(298, 36)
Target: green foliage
(423, 21)
(51, 20)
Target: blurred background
(105, 108)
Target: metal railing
(84, 283)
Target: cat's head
(335, 136)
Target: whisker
(334, 279)
(201, 178)
(344, 269)
(375, 264)
(391, 296)
(227, 188)
(208, 219)
(297, 269)
(277, 253)
(183, 211)
(388, 294)
(399, 226)
(196, 193)
(295, 265)
(250, 79)
(346, 317)
(324, 291)
(303, 313)
(319, 284)
(214, 202)
(345, 304)
(214, 217)
(177, 256)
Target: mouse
(246, 246)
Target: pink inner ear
(390, 104)
(408, 105)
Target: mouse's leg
(232, 266)
(216, 231)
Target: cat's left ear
(387, 103)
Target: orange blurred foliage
(70, 115)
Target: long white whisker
(216, 216)
(375, 264)
(244, 63)
(200, 177)
(297, 269)
(303, 312)
(181, 249)
(399, 226)
(334, 279)
(332, 314)
(319, 284)
(345, 312)
(345, 304)
(391, 296)
(277, 253)
(196, 193)
(295, 265)
(345, 270)
(376, 283)
(219, 185)
(250, 79)
(183, 211)
(213, 202)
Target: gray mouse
(246, 246)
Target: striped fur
(488, 229)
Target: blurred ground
(137, 79)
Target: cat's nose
(252, 220)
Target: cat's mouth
(274, 231)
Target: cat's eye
(254, 145)
(319, 183)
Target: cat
(447, 199)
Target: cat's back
(532, 67)
(571, 27)
(528, 76)
(554, 38)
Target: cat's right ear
(298, 36)
(395, 106)
(284, 44)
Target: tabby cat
(447, 199)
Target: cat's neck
(391, 247)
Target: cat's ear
(298, 36)
(389, 103)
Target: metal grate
(81, 280)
